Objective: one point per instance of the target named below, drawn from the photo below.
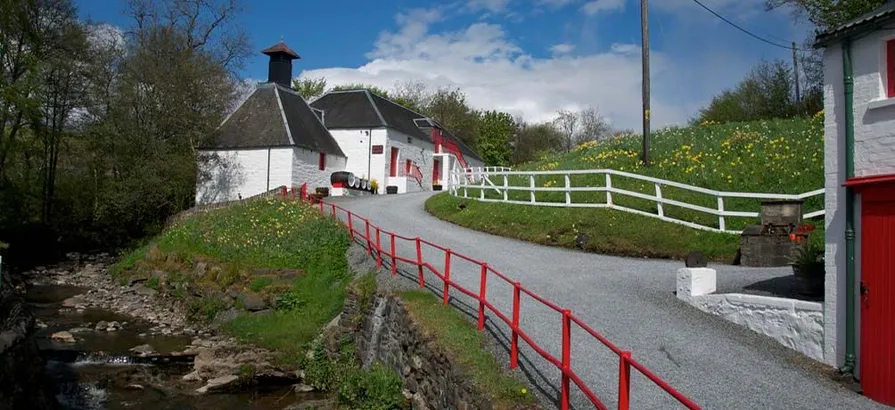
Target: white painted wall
(357, 145)
(874, 117)
(416, 150)
(306, 168)
(796, 324)
(245, 172)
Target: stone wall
(389, 335)
(796, 324)
(22, 380)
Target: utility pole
(644, 29)
(795, 72)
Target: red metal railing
(372, 236)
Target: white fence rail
(483, 179)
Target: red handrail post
(483, 287)
(369, 238)
(284, 191)
(624, 380)
(350, 227)
(514, 339)
(378, 250)
(447, 277)
(334, 210)
(566, 358)
(394, 256)
(322, 211)
(419, 262)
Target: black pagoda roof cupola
(279, 70)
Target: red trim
(407, 164)
(436, 170)
(890, 68)
(393, 165)
(338, 185)
(321, 162)
(869, 180)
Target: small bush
(260, 282)
(378, 388)
(204, 309)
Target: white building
(859, 151)
(387, 142)
(275, 138)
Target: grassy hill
(779, 156)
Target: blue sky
(527, 57)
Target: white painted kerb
(695, 282)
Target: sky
(529, 58)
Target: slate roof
(352, 109)
(275, 116)
(280, 47)
(873, 20)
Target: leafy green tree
(448, 106)
(535, 141)
(827, 14)
(310, 88)
(768, 91)
(496, 130)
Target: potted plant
(808, 266)
(437, 185)
(374, 186)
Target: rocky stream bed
(114, 346)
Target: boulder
(142, 350)
(65, 337)
(252, 301)
(218, 384)
(144, 291)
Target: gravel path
(717, 364)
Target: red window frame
(321, 161)
(407, 164)
(393, 164)
(890, 68)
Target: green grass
(234, 242)
(463, 342)
(778, 156)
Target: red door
(393, 168)
(877, 290)
(436, 171)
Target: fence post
(566, 358)
(483, 288)
(394, 256)
(419, 262)
(624, 381)
(447, 277)
(659, 202)
(334, 210)
(531, 184)
(350, 227)
(321, 206)
(482, 192)
(568, 190)
(378, 250)
(506, 188)
(721, 213)
(608, 190)
(514, 339)
(369, 238)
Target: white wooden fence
(484, 180)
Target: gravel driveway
(717, 364)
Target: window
(890, 68)
(321, 162)
(407, 166)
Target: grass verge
(610, 232)
(461, 339)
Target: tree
(768, 91)
(496, 130)
(534, 141)
(414, 95)
(448, 106)
(310, 88)
(358, 86)
(827, 14)
(580, 126)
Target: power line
(751, 34)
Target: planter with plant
(808, 266)
(437, 185)
(374, 186)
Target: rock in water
(65, 337)
(143, 350)
(217, 384)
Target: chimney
(279, 70)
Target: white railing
(486, 170)
(485, 182)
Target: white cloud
(596, 6)
(562, 48)
(496, 74)
(555, 3)
(494, 6)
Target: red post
(445, 296)
(624, 381)
(566, 358)
(483, 287)
(334, 210)
(514, 339)
(284, 191)
(394, 256)
(419, 262)
(378, 250)
(369, 238)
(321, 206)
(350, 227)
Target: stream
(100, 369)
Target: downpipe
(849, 82)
